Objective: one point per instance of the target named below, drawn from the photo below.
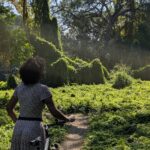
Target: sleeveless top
(30, 99)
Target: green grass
(119, 119)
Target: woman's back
(30, 99)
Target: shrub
(21, 49)
(91, 73)
(57, 73)
(6, 134)
(46, 49)
(11, 82)
(3, 85)
(62, 72)
(97, 72)
(121, 68)
(106, 73)
(77, 62)
(62, 69)
(4, 118)
(142, 73)
(72, 74)
(84, 74)
(122, 80)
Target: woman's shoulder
(35, 86)
(43, 86)
(45, 92)
(20, 85)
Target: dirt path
(74, 140)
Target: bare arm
(10, 106)
(54, 111)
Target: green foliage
(121, 76)
(127, 126)
(117, 120)
(5, 136)
(58, 73)
(4, 97)
(120, 28)
(49, 29)
(84, 74)
(72, 74)
(121, 68)
(122, 80)
(51, 33)
(45, 49)
(91, 73)
(97, 72)
(76, 62)
(106, 73)
(142, 73)
(60, 68)
(21, 48)
(6, 19)
(57, 134)
(142, 36)
(14, 46)
(3, 85)
(11, 82)
(109, 132)
(4, 118)
(63, 70)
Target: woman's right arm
(54, 111)
(10, 108)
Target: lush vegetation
(99, 27)
(63, 70)
(48, 46)
(39, 34)
(119, 119)
(14, 43)
(103, 33)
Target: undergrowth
(119, 119)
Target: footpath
(75, 138)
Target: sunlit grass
(119, 119)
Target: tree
(14, 46)
(142, 36)
(46, 24)
(99, 20)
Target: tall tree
(46, 24)
(14, 46)
(98, 19)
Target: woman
(32, 96)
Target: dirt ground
(77, 130)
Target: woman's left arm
(10, 108)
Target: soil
(75, 138)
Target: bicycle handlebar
(56, 123)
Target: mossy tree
(58, 73)
(97, 70)
(49, 29)
(142, 73)
(60, 69)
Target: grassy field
(119, 119)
